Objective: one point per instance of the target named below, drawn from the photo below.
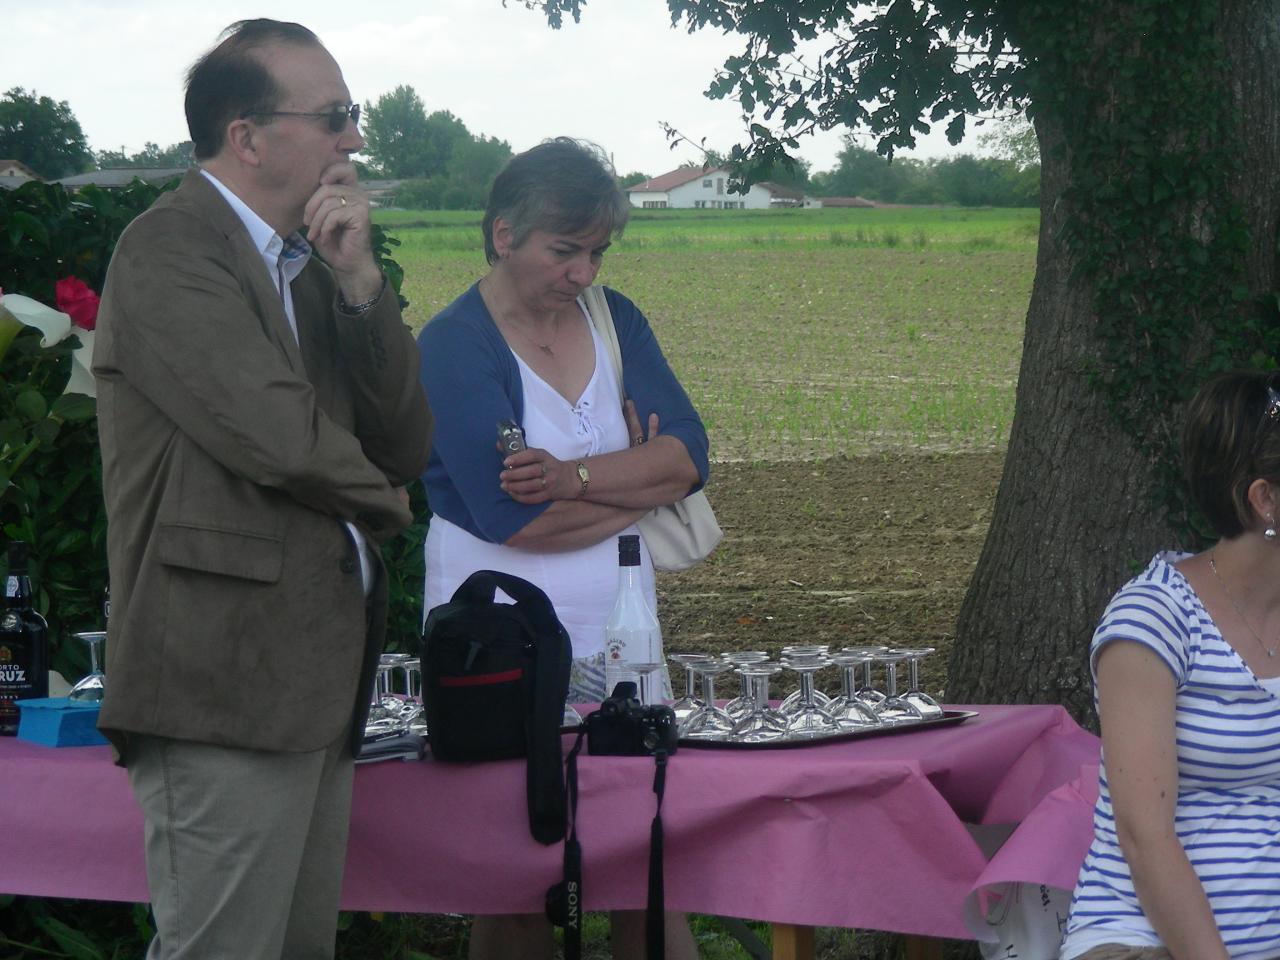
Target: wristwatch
(585, 476)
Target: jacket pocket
(231, 553)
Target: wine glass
(929, 708)
(809, 719)
(741, 705)
(893, 708)
(690, 702)
(91, 687)
(708, 722)
(791, 703)
(650, 681)
(866, 691)
(761, 723)
(848, 709)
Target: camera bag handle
(544, 698)
(565, 899)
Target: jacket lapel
(261, 286)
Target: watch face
(583, 475)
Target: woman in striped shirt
(1185, 861)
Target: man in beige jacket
(258, 409)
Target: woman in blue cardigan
(520, 346)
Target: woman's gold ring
(343, 199)
(544, 471)
(544, 483)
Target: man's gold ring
(343, 199)
(544, 469)
(544, 483)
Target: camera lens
(650, 740)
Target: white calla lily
(81, 367)
(54, 327)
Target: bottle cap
(17, 557)
(629, 550)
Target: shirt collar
(293, 250)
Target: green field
(805, 333)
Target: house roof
(122, 176)
(778, 190)
(673, 179)
(23, 172)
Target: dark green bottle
(24, 643)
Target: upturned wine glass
(650, 681)
(761, 723)
(791, 703)
(929, 708)
(741, 705)
(91, 687)
(809, 719)
(893, 708)
(708, 722)
(847, 709)
(866, 691)
(690, 702)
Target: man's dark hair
(560, 186)
(230, 81)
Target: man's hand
(338, 227)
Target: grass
(805, 333)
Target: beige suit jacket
(231, 456)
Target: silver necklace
(544, 347)
(1270, 651)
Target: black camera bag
(494, 681)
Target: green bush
(50, 474)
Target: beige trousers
(244, 848)
(1118, 951)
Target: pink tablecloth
(868, 833)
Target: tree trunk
(1075, 515)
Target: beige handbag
(679, 534)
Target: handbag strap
(602, 319)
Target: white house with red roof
(696, 187)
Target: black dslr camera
(624, 727)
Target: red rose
(76, 300)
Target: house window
(719, 184)
(655, 204)
(706, 183)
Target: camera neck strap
(566, 910)
(655, 912)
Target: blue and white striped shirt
(1227, 815)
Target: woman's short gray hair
(561, 186)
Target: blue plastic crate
(59, 722)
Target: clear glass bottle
(631, 634)
(24, 643)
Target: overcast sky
(612, 78)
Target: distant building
(696, 188)
(839, 202)
(14, 173)
(117, 177)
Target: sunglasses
(336, 118)
(1272, 412)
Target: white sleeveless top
(581, 583)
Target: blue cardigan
(472, 381)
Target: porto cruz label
(11, 588)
